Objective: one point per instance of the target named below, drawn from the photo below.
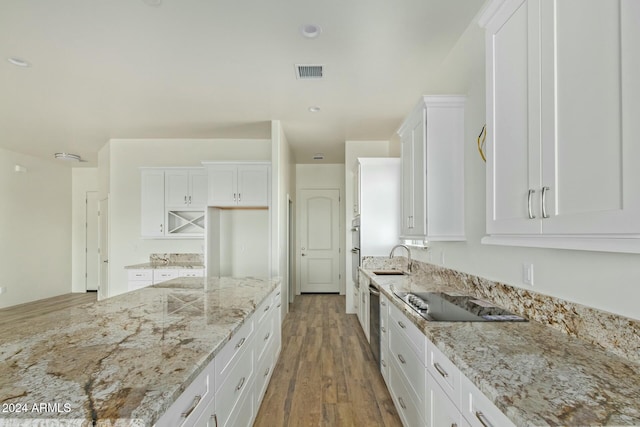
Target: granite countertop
(162, 265)
(127, 357)
(536, 375)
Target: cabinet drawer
(237, 384)
(192, 272)
(245, 411)
(406, 361)
(264, 337)
(413, 335)
(163, 275)
(479, 410)
(384, 364)
(264, 372)
(263, 310)
(407, 408)
(146, 274)
(225, 359)
(445, 373)
(190, 404)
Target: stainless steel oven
(355, 248)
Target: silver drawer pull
(195, 402)
(402, 403)
(214, 417)
(402, 359)
(483, 420)
(267, 371)
(440, 369)
(383, 329)
(383, 363)
(529, 208)
(266, 337)
(382, 303)
(279, 305)
(267, 308)
(240, 343)
(239, 386)
(278, 294)
(402, 325)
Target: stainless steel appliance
(355, 250)
(374, 322)
(449, 307)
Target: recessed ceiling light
(314, 109)
(310, 31)
(18, 62)
(68, 157)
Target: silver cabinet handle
(544, 202)
(279, 305)
(240, 384)
(529, 208)
(240, 343)
(234, 197)
(214, 417)
(402, 403)
(402, 359)
(266, 337)
(440, 370)
(189, 199)
(402, 325)
(382, 303)
(483, 420)
(185, 200)
(354, 251)
(239, 197)
(267, 308)
(383, 363)
(267, 371)
(195, 402)
(383, 329)
(161, 228)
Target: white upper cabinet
(562, 103)
(152, 203)
(173, 202)
(432, 155)
(238, 184)
(186, 188)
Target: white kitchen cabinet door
(253, 185)
(152, 203)
(442, 411)
(406, 207)
(198, 186)
(590, 150)
(223, 185)
(186, 188)
(513, 149)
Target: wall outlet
(3, 290)
(527, 273)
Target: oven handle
(374, 291)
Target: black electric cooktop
(444, 307)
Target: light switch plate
(527, 273)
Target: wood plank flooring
(326, 374)
(29, 310)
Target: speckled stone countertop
(125, 358)
(161, 265)
(536, 375)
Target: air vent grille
(309, 71)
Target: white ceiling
(104, 69)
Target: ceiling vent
(309, 71)
(318, 156)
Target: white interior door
(103, 236)
(92, 252)
(319, 241)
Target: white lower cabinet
(230, 389)
(384, 337)
(426, 387)
(143, 277)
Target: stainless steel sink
(388, 273)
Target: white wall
(353, 150)
(283, 188)
(606, 281)
(126, 157)
(325, 176)
(35, 228)
(82, 180)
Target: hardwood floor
(326, 374)
(29, 310)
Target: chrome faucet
(409, 264)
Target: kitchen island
(534, 374)
(125, 358)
